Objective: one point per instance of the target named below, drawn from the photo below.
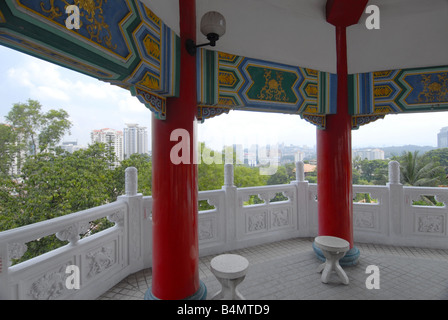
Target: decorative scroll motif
(358, 121)
(117, 217)
(100, 260)
(431, 224)
(205, 112)
(153, 102)
(435, 88)
(72, 232)
(50, 286)
(273, 90)
(318, 120)
(399, 91)
(92, 12)
(16, 250)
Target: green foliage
(248, 177)
(210, 170)
(370, 171)
(35, 130)
(144, 166)
(420, 170)
(7, 149)
(53, 185)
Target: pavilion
(339, 64)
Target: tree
(37, 131)
(210, 169)
(55, 184)
(440, 156)
(7, 149)
(279, 177)
(419, 170)
(370, 171)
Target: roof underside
(276, 56)
(412, 33)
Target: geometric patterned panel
(231, 82)
(122, 42)
(399, 91)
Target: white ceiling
(413, 33)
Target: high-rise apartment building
(442, 138)
(135, 140)
(111, 138)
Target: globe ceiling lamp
(213, 26)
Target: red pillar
(175, 191)
(334, 159)
(334, 143)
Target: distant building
(135, 140)
(369, 154)
(70, 146)
(442, 138)
(110, 137)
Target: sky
(93, 105)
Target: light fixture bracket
(192, 46)
(213, 26)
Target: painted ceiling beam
(344, 13)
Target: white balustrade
(285, 211)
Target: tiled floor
(287, 270)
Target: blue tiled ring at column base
(350, 258)
(201, 294)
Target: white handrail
(45, 228)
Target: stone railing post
(134, 233)
(231, 206)
(396, 199)
(302, 200)
(300, 171)
(131, 181)
(4, 263)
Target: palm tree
(419, 170)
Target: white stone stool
(230, 270)
(333, 249)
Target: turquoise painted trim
(350, 259)
(201, 294)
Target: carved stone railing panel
(71, 233)
(108, 256)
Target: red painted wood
(175, 191)
(344, 13)
(334, 159)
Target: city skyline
(93, 104)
